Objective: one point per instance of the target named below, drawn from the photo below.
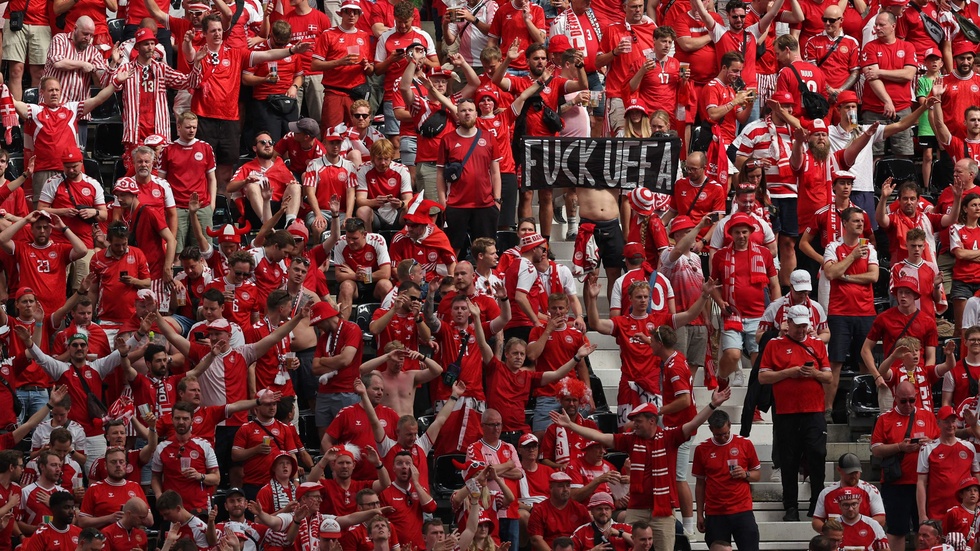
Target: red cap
(486, 92)
(816, 125)
(648, 408)
(292, 462)
(330, 529)
(966, 483)
(332, 135)
(847, 96)
(322, 311)
(894, 3)
(24, 291)
(636, 105)
(528, 438)
(783, 97)
(419, 209)
(600, 498)
(633, 250)
(946, 412)
(558, 44)
(905, 282)
(849, 493)
(439, 72)
(143, 34)
(298, 230)
(154, 140)
(559, 476)
(71, 155)
(963, 47)
(681, 223)
(485, 517)
(842, 175)
(931, 52)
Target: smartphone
(914, 441)
(399, 51)
(123, 274)
(808, 364)
(199, 335)
(714, 216)
(738, 84)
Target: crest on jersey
(198, 156)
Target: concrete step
(769, 491)
(763, 546)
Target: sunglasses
(907, 401)
(829, 20)
(196, 13)
(243, 274)
(264, 142)
(302, 260)
(736, 17)
(360, 115)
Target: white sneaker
(571, 234)
(737, 378)
(775, 476)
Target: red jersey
(289, 148)
(246, 302)
(286, 68)
(348, 334)
(688, 24)
(811, 25)
(134, 468)
(585, 536)
(187, 166)
(889, 57)
(945, 464)
(764, 139)
(225, 380)
(340, 501)
(373, 255)
(7, 532)
(523, 276)
(84, 193)
(269, 275)
(697, 200)
(890, 428)
(713, 463)
(269, 369)
(911, 27)
(967, 238)
(167, 461)
(118, 538)
(329, 179)
(145, 226)
(508, 24)
(53, 131)
(433, 252)
(744, 277)
(33, 510)
(478, 191)
(804, 394)
(336, 43)
(661, 85)
(847, 298)
(307, 28)
(960, 520)
(812, 76)
(44, 269)
(961, 93)
(104, 497)
(639, 367)
(351, 425)
(561, 346)
(407, 517)
(678, 382)
(836, 62)
(826, 225)
(48, 537)
(865, 533)
(814, 184)
(960, 380)
(508, 391)
(108, 270)
(651, 475)
(827, 505)
(221, 77)
(550, 522)
(889, 325)
(458, 346)
(654, 239)
(282, 438)
(388, 43)
(727, 40)
(205, 419)
(715, 94)
(401, 328)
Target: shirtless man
(303, 337)
(601, 207)
(399, 385)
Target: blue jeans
(543, 406)
(32, 400)
(510, 530)
(518, 73)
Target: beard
(266, 155)
(820, 151)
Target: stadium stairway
(767, 496)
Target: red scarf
(757, 276)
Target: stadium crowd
(314, 306)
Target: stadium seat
(308, 432)
(902, 170)
(444, 477)
(618, 459)
(598, 394)
(16, 145)
(862, 401)
(607, 421)
(512, 437)
(118, 170)
(424, 421)
(362, 316)
(109, 111)
(31, 95)
(108, 141)
(116, 27)
(506, 240)
(92, 170)
(14, 168)
(222, 214)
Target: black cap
(235, 491)
(849, 463)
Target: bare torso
(598, 205)
(399, 391)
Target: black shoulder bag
(891, 466)
(815, 105)
(434, 124)
(831, 50)
(96, 409)
(19, 406)
(453, 171)
(904, 331)
(933, 28)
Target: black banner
(601, 163)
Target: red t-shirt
(145, 224)
(557, 445)
(802, 395)
(407, 517)
(659, 87)
(287, 68)
(508, 391)
(187, 167)
(351, 425)
(812, 76)
(678, 382)
(217, 96)
(811, 24)
(388, 43)
(946, 465)
(508, 24)
(54, 131)
(339, 501)
(104, 498)
(888, 57)
(44, 270)
(966, 238)
(108, 270)
(269, 372)
(288, 148)
(890, 429)
(550, 523)
(848, 298)
(281, 437)
(240, 309)
(711, 198)
(477, 191)
(450, 340)
(560, 348)
(888, 326)
(703, 64)
(335, 44)
(638, 364)
(837, 64)
(306, 28)
(714, 94)
(738, 289)
(118, 538)
(48, 537)
(549, 95)
(347, 334)
(167, 462)
(713, 463)
(960, 94)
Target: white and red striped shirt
(145, 83)
(75, 84)
(757, 141)
(776, 313)
(925, 273)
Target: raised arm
(591, 295)
(561, 419)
